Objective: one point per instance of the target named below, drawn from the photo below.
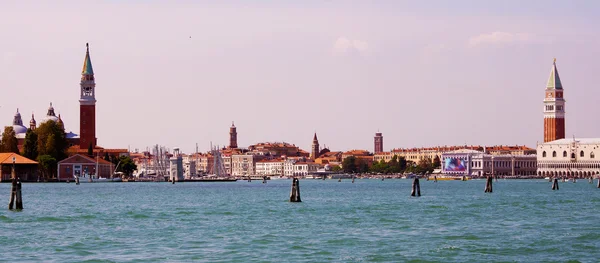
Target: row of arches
(577, 174)
(581, 154)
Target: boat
(91, 178)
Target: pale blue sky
(424, 73)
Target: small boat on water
(90, 178)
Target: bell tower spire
(233, 136)
(87, 103)
(554, 107)
(314, 154)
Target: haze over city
(424, 73)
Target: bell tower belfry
(554, 108)
(87, 104)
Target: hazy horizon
(424, 74)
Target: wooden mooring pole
(295, 193)
(19, 205)
(416, 188)
(555, 184)
(16, 199)
(488, 185)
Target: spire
(87, 63)
(554, 80)
(32, 122)
(51, 111)
(17, 119)
(232, 124)
(315, 137)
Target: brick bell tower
(314, 153)
(233, 136)
(554, 108)
(87, 104)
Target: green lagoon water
(368, 221)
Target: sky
(424, 73)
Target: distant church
(79, 143)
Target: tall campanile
(87, 104)
(554, 108)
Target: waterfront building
(270, 167)
(362, 155)
(277, 149)
(78, 165)
(27, 170)
(569, 158)
(417, 154)
(176, 166)
(314, 154)
(189, 169)
(305, 168)
(330, 158)
(554, 108)
(244, 164)
(472, 163)
(378, 141)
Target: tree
(349, 164)
(336, 168)
(362, 166)
(91, 151)
(437, 163)
(9, 143)
(52, 140)
(106, 157)
(126, 165)
(30, 145)
(47, 165)
(402, 163)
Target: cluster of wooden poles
(416, 187)
(16, 200)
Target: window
(565, 154)
(573, 155)
(554, 154)
(592, 155)
(544, 154)
(581, 154)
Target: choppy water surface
(370, 220)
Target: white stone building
(476, 164)
(574, 157)
(242, 164)
(176, 166)
(269, 167)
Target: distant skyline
(424, 73)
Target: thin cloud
(498, 38)
(344, 45)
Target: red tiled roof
(6, 158)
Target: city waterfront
(369, 220)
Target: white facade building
(269, 167)
(242, 165)
(176, 166)
(569, 158)
(476, 164)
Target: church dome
(18, 124)
(50, 116)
